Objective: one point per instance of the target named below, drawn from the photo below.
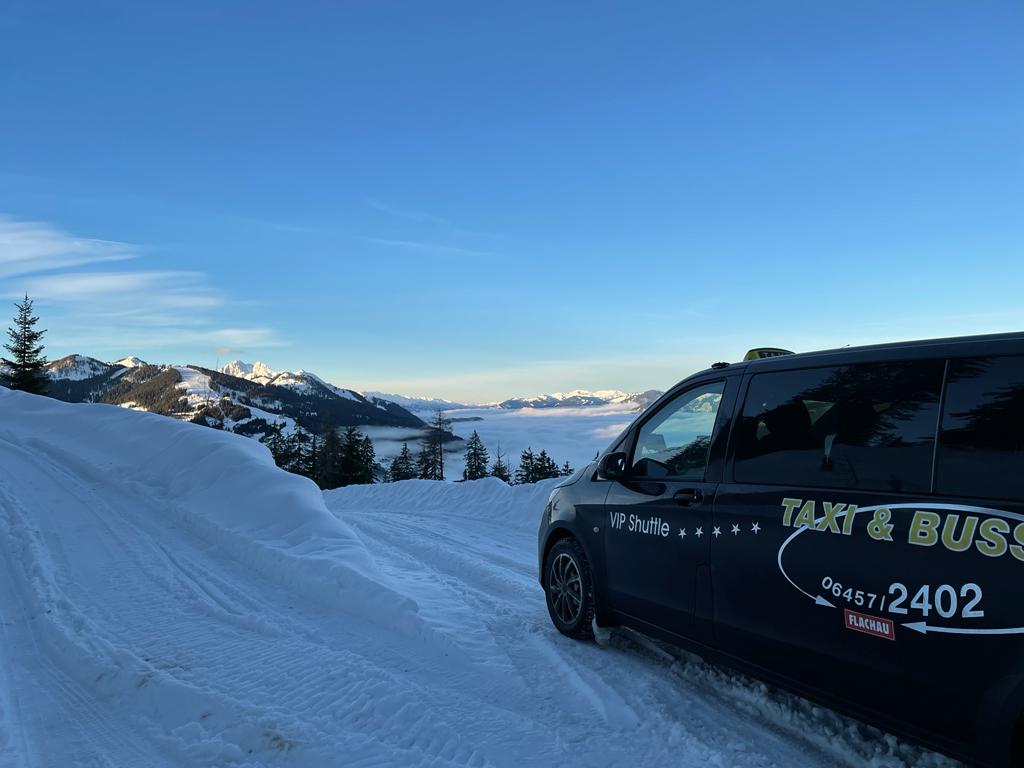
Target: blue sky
(479, 200)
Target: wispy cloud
(420, 217)
(173, 290)
(435, 248)
(136, 309)
(28, 247)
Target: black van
(848, 524)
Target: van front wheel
(569, 589)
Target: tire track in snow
(560, 686)
(370, 714)
(702, 714)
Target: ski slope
(168, 597)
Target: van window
(865, 427)
(675, 441)
(981, 447)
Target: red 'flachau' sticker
(869, 625)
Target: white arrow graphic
(818, 599)
(924, 628)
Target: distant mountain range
(578, 398)
(422, 403)
(255, 403)
(581, 398)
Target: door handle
(689, 497)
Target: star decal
(682, 533)
(700, 532)
(755, 528)
(716, 532)
(735, 530)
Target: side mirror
(612, 466)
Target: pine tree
(426, 462)
(309, 458)
(367, 461)
(402, 467)
(351, 463)
(499, 468)
(275, 442)
(328, 474)
(527, 471)
(26, 370)
(567, 469)
(440, 431)
(544, 467)
(476, 458)
(296, 451)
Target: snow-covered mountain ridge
(414, 403)
(254, 405)
(77, 368)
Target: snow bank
(223, 487)
(515, 506)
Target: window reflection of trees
(996, 421)
(824, 418)
(875, 404)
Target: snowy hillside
(249, 406)
(77, 367)
(170, 598)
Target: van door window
(981, 446)
(676, 440)
(867, 427)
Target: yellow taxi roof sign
(759, 353)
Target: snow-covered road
(169, 597)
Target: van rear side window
(864, 427)
(981, 447)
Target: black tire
(569, 590)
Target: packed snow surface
(168, 597)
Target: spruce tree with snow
(499, 468)
(476, 458)
(402, 466)
(26, 369)
(567, 469)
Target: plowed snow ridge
(168, 597)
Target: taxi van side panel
(873, 541)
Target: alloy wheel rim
(565, 588)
